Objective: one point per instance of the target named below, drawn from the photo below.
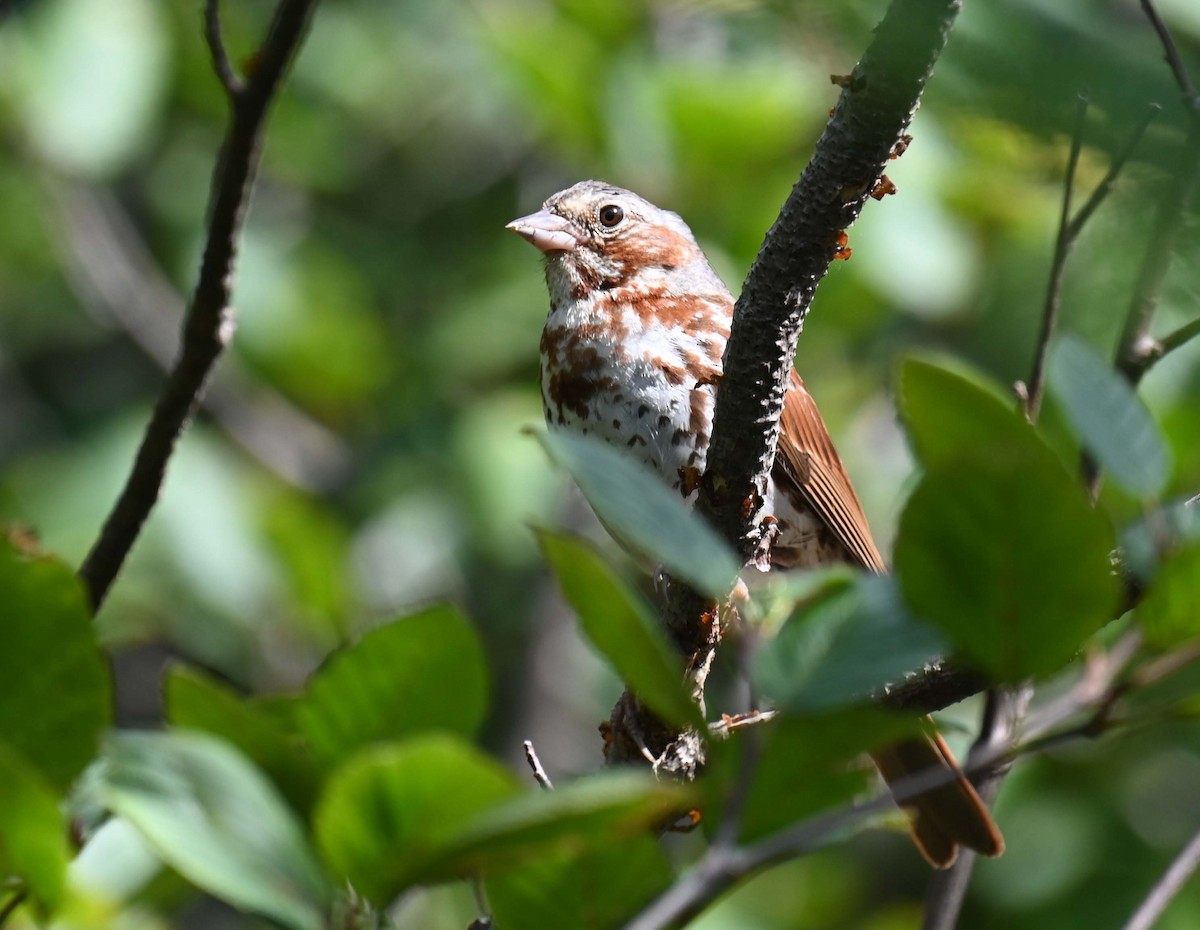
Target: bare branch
(216, 46)
(1185, 864)
(1178, 338)
(535, 765)
(1105, 187)
(1171, 50)
(1062, 245)
(868, 125)
(209, 324)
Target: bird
(631, 353)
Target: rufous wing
(809, 471)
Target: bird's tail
(945, 817)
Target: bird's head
(597, 237)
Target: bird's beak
(548, 231)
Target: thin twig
(1105, 187)
(1148, 912)
(1069, 229)
(535, 764)
(209, 324)
(216, 45)
(1062, 245)
(1179, 337)
(1171, 50)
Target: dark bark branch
(865, 129)
(867, 125)
(209, 323)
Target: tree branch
(209, 324)
(1069, 229)
(867, 126)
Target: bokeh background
(361, 452)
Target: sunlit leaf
(1009, 560)
(196, 701)
(1110, 419)
(33, 830)
(607, 805)
(844, 646)
(423, 672)
(55, 694)
(213, 817)
(620, 626)
(952, 411)
(644, 513)
(391, 815)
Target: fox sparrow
(632, 353)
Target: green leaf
(598, 887)
(56, 696)
(196, 701)
(1006, 556)
(423, 672)
(621, 627)
(608, 805)
(33, 830)
(841, 647)
(1109, 418)
(644, 514)
(389, 817)
(216, 820)
(806, 765)
(949, 412)
(1170, 611)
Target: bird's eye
(611, 215)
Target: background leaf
(1109, 418)
(423, 672)
(391, 814)
(214, 818)
(621, 627)
(643, 513)
(56, 694)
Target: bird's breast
(638, 384)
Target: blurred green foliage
(368, 457)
